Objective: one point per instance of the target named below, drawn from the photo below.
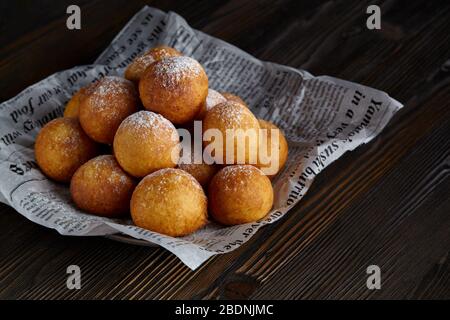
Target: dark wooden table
(387, 203)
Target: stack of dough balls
(119, 148)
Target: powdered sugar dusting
(230, 112)
(172, 70)
(145, 123)
(163, 51)
(168, 175)
(145, 60)
(70, 135)
(141, 63)
(103, 161)
(108, 89)
(238, 175)
(214, 98)
(117, 178)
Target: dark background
(387, 203)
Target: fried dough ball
(232, 118)
(212, 99)
(265, 164)
(137, 67)
(202, 172)
(146, 142)
(61, 147)
(232, 97)
(104, 106)
(169, 201)
(101, 187)
(175, 87)
(73, 106)
(240, 194)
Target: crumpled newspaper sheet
(323, 117)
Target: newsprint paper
(322, 117)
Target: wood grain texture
(386, 203)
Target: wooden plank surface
(387, 203)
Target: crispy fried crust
(104, 106)
(144, 143)
(61, 147)
(73, 106)
(136, 68)
(101, 187)
(240, 194)
(175, 87)
(169, 201)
